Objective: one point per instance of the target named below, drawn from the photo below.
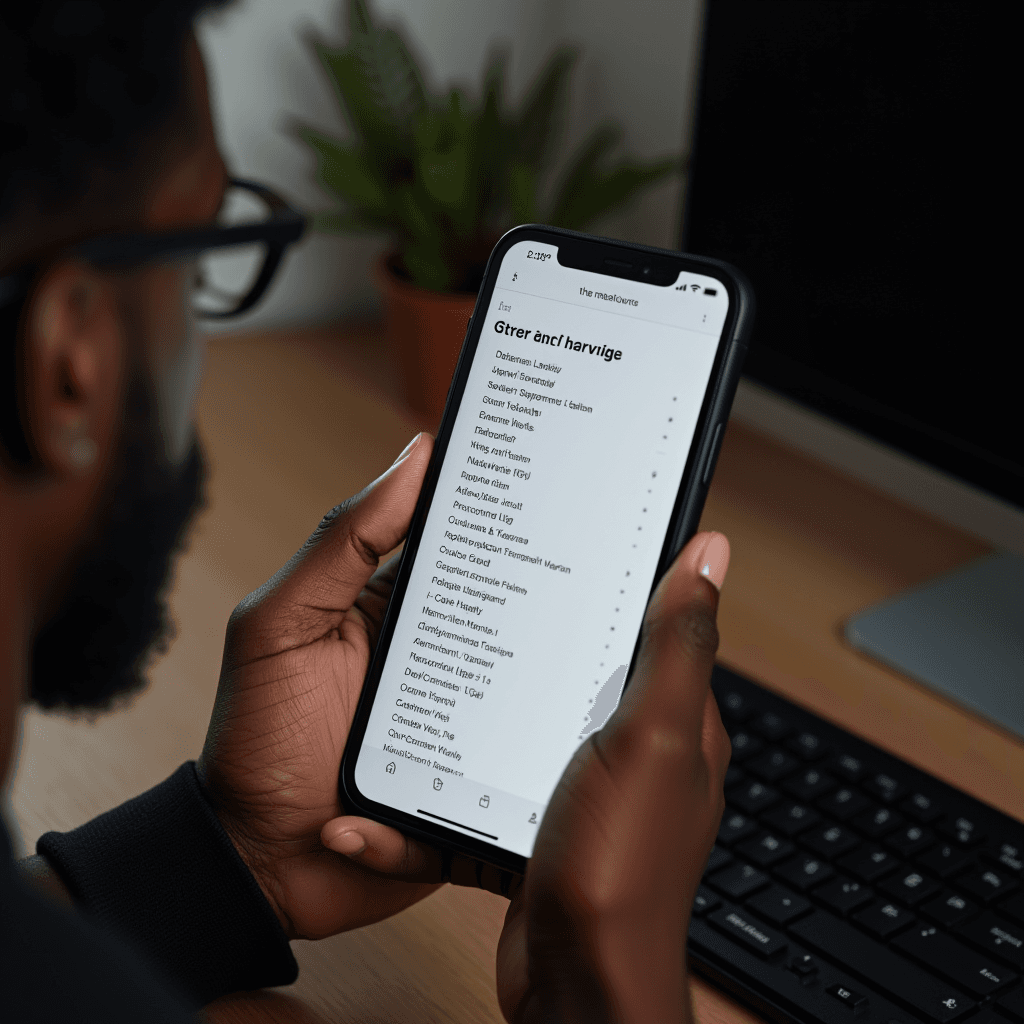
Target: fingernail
(408, 448)
(714, 562)
(348, 843)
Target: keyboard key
(988, 884)
(1013, 1004)
(765, 850)
(748, 932)
(853, 1001)
(735, 706)
(1014, 907)
(909, 887)
(805, 967)
(705, 901)
(744, 745)
(910, 841)
(738, 881)
(807, 745)
(869, 863)
(779, 905)
(844, 803)
(933, 998)
(772, 765)
(877, 822)
(1000, 937)
(809, 785)
(831, 841)
(1008, 856)
(884, 919)
(964, 832)
(978, 974)
(885, 788)
(950, 909)
(944, 860)
(791, 819)
(922, 808)
(804, 872)
(753, 797)
(718, 859)
(734, 775)
(843, 896)
(851, 768)
(772, 727)
(735, 827)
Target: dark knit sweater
(169, 917)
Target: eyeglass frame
(284, 227)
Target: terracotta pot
(426, 330)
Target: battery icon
(710, 291)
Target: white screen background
(482, 746)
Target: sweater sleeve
(161, 872)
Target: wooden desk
(293, 423)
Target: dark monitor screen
(856, 161)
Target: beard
(113, 620)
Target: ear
(72, 370)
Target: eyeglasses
(237, 257)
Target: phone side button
(712, 456)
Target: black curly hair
(85, 85)
(82, 84)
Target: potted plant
(445, 178)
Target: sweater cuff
(161, 871)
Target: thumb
(328, 572)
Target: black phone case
(587, 252)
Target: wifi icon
(694, 287)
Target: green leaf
(445, 175)
(427, 267)
(539, 122)
(600, 192)
(380, 88)
(444, 161)
(345, 172)
(491, 141)
(411, 218)
(522, 193)
(359, 19)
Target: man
(110, 182)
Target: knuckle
(698, 630)
(693, 626)
(658, 744)
(364, 551)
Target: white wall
(637, 67)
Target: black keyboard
(846, 884)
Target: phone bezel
(682, 525)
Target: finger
(333, 566)
(715, 741)
(679, 640)
(374, 597)
(382, 849)
(388, 852)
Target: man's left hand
(295, 656)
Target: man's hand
(597, 932)
(597, 929)
(296, 654)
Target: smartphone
(571, 465)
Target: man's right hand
(596, 931)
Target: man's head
(104, 127)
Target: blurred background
(637, 67)
(305, 400)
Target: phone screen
(539, 550)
